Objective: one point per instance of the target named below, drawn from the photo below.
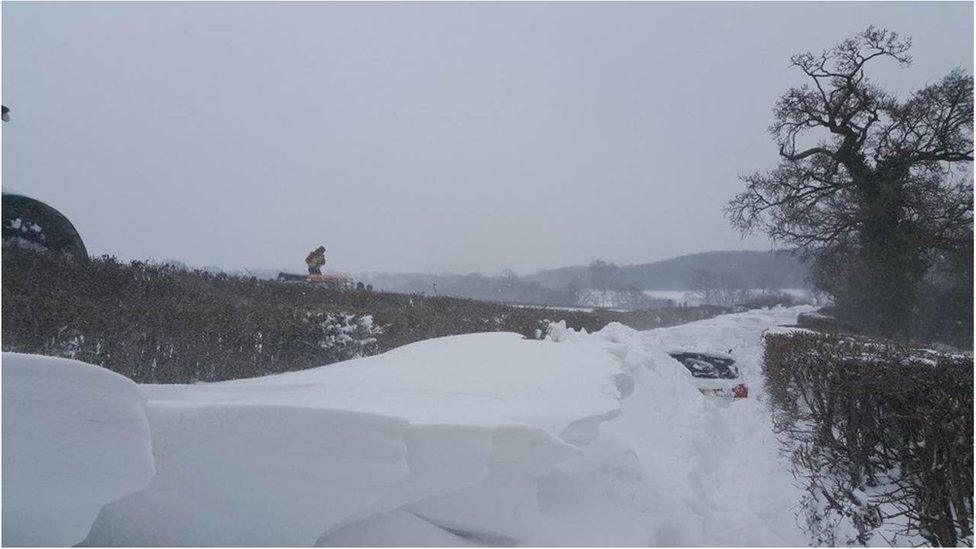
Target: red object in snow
(740, 391)
(337, 280)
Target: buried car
(714, 373)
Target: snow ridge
(481, 439)
(75, 437)
(291, 459)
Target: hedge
(879, 433)
(162, 324)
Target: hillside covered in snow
(479, 439)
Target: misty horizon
(496, 272)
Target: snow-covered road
(483, 439)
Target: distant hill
(782, 268)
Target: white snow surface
(481, 439)
(75, 437)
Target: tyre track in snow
(677, 467)
(743, 487)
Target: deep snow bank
(676, 467)
(75, 437)
(283, 459)
(483, 439)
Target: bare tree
(767, 282)
(606, 279)
(705, 286)
(605, 276)
(732, 290)
(866, 184)
(711, 288)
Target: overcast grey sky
(416, 137)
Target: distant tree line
(507, 288)
(604, 284)
(729, 289)
(601, 284)
(783, 269)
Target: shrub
(878, 432)
(161, 323)
(770, 299)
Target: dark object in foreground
(32, 224)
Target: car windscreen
(707, 366)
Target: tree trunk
(885, 288)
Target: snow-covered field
(481, 439)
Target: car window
(707, 366)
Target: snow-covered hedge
(881, 435)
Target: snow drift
(282, 459)
(482, 439)
(75, 437)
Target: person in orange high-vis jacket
(315, 260)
